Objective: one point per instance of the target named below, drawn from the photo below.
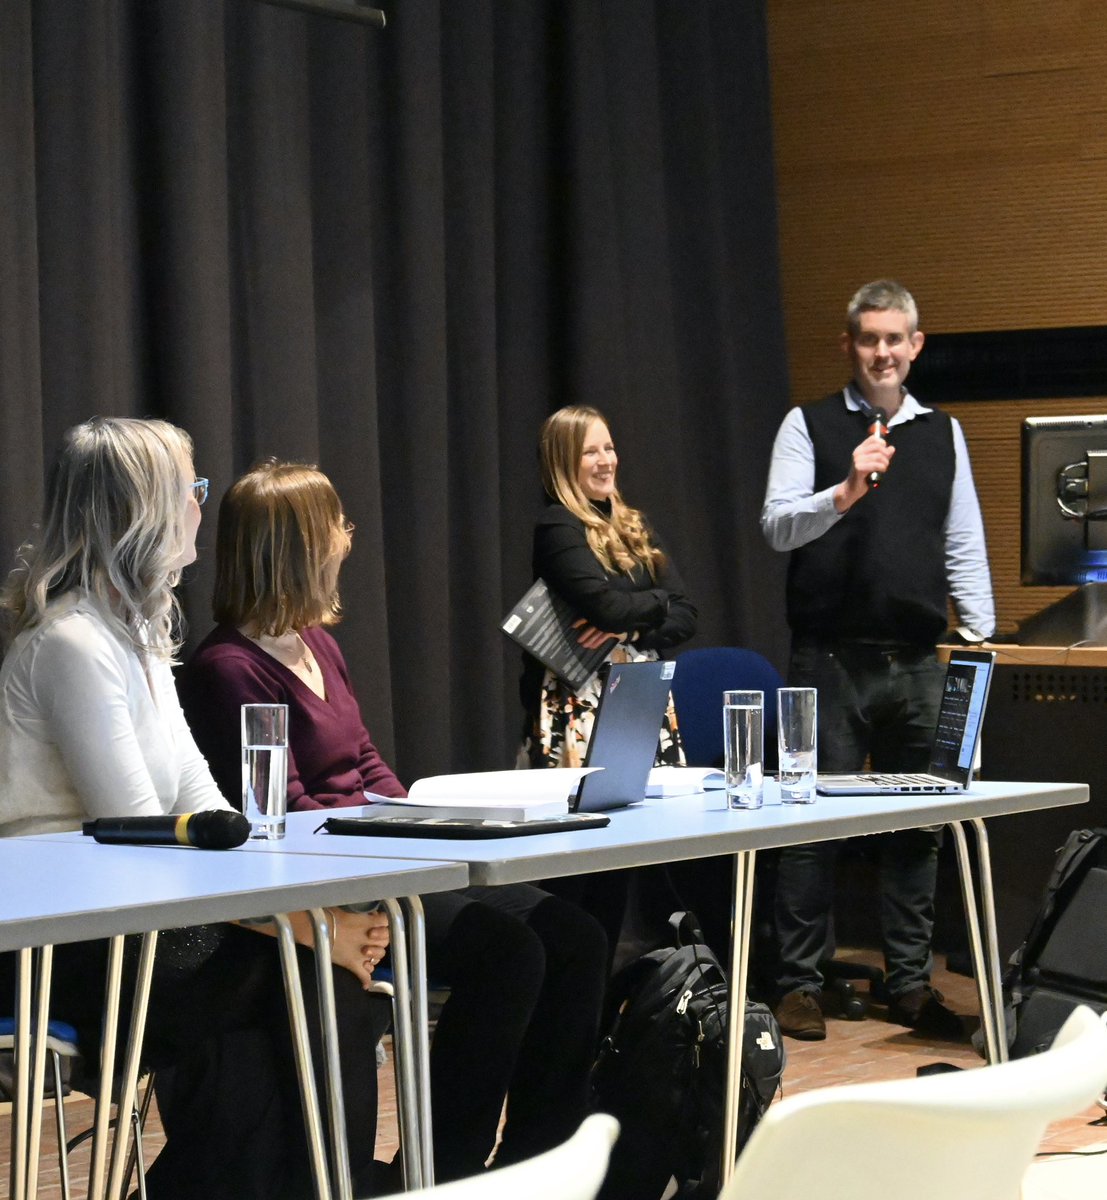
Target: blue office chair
(698, 685)
(701, 678)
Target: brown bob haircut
(280, 539)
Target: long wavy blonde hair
(622, 542)
(113, 528)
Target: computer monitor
(1064, 524)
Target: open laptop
(633, 697)
(960, 716)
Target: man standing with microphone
(872, 494)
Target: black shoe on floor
(922, 1009)
(381, 1178)
(938, 1068)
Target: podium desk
(65, 888)
(674, 829)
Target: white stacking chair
(572, 1171)
(1070, 1176)
(965, 1135)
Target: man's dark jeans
(878, 702)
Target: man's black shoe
(922, 1009)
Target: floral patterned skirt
(563, 726)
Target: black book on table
(542, 623)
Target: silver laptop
(625, 733)
(960, 716)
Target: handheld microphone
(877, 428)
(215, 829)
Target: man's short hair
(880, 296)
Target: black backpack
(661, 1069)
(1063, 961)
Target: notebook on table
(960, 717)
(468, 828)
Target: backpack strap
(686, 930)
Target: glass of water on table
(797, 734)
(265, 768)
(743, 748)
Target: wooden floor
(853, 1051)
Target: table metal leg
(38, 1066)
(740, 918)
(403, 1048)
(22, 1099)
(991, 937)
(984, 957)
(297, 1019)
(417, 952)
(410, 1047)
(340, 1155)
(128, 1085)
(101, 1121)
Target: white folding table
(65, 888)
(700, 826)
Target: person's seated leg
(549, 1089)
(227, 1087)
(225, 1122)
(603, 895)
(494, 965)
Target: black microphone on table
(877, 428)
(214, 829)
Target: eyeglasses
(200, 490)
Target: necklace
(304, 658)
(307, 659)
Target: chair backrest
(698, 685)
(966, 1135)
(572, 1171)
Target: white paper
(679, 781)
(493, 787)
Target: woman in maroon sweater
(526, 970)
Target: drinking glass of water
(743, 748)
(265, 768)
(797, 726)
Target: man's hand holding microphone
(869, 464)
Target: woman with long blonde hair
(598, 553)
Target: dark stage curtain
(392, 252)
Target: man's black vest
(879, 574)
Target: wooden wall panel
(962, 150)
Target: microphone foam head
(218, 829)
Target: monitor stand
(1080, 617)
